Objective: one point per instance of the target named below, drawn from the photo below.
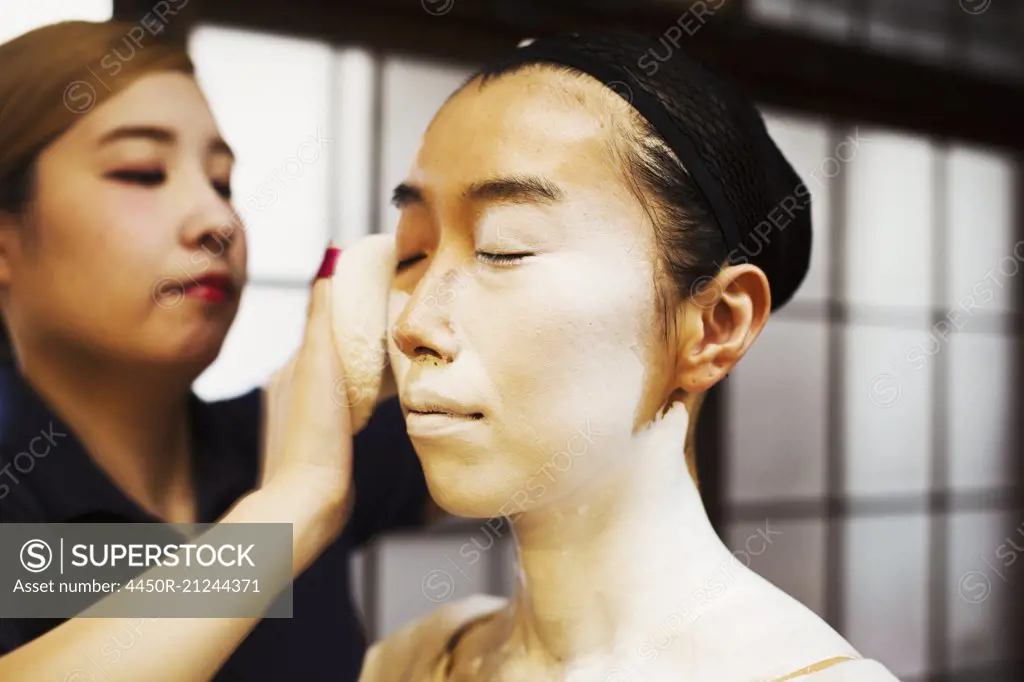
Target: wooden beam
(774, 67)
(176, 16)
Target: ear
(718, 323)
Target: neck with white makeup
(631, 566)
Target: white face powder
(555, 349)
(528, 345)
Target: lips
(431, 414)
(421, 402)
(430, 422)
(212, 287)
(445, 412)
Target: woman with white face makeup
(583, 251)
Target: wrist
(317, 514)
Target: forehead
(167, 99)
(535, 122)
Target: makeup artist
(102, 196)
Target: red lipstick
(210, 288)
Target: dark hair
(16, 189)
(732, 147)
(691, 247)
(738, 163)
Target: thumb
(318, 340)
(315, 414)
(322, 279)
(317, 357)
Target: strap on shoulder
(815, 667)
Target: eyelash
(145, 178)
(409, 262)
(495, 258)
(154, 178)
(502, 258)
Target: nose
(213, 225)
(424, 330)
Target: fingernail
(329, 262)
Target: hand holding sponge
(360, 287)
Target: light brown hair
(54, 75)
(51, 78)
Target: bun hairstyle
(51, 78)
(716, 186)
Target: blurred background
(874, 429)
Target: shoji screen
(870, 424)
(777, 416)
(412, 92)
(291, 109)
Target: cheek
(565, 347)
(397, 301)
(74, 240)
(105, 254)
(105, 224)
(240, 247)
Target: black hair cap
(759, 201)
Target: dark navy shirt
(56, 481)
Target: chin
(458, 505)
(474, 473)
(198, 349)
(473, 490)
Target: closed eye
(157, 177)
(409, 262)
(503, 258)
(493, 258)
(144, 178)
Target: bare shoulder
(409, 654)
(753, 631)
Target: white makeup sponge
(361, 281)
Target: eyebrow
(160, 135)
(517, 189)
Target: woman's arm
(309, 488)
(182, 649)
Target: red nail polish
(329, 262)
